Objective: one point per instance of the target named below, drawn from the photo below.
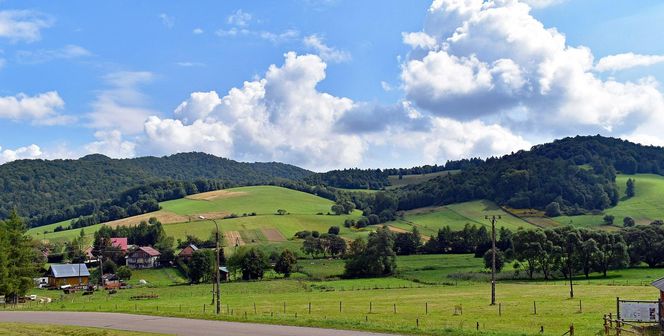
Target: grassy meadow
(420, 299)
(644, 207)
(305, 212)
(429, 220)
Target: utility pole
(493, 220)
(216, 269)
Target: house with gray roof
(68, 274)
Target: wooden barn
(187, 252)
(68, 274)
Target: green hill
(181, 217)
(46, 191)
(429, 220)
(645, 207)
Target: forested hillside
(576, 173)
(50, 191)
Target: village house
(120, 243)
(187, 252)
(143, 257)
(68, 274)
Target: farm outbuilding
(187, 252)
(68, 274)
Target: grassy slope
(263, 200)
(22, 329)
(644, 207)
(555, 311)
(429, 220)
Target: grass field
(22, 329)
(287, 302)
(644, 207)
(395, 182)
(425, 291)
(264, 201)
(429, 220)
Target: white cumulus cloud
(492, 60)
(41, 109)
(29, 152)
(281, 116)
(626, 61)
(110, 143)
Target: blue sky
(331, 83)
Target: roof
(69, 270)
(223, 269)
(150, 251)
(659, 284)
(119, 242)
(192, 246)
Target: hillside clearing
(405, 180)
(429, 220)
(644, 207)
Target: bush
(628, 222)
(109, 267)
(333, 230)
(123, 273)
(500, 260)
(315, 234)
(608, 219)
(303, 234)
(552, 209)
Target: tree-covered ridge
(63, 189)
(378, 178)
(576, 173)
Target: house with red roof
(143, 257)
(120, 243)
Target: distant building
(68, 274)
(144, 257)
(120, 243)
(187, 252)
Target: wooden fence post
(535, 307)
(395, 308)
(500, 309)
(254, 308)
(309, 307)
(340, 306)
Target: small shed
(68, 274)
(187, 252)
(144, 257)
(659, 284)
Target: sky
(325, 84)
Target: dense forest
(50, 191)
(378, 178)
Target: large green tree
(20, 262)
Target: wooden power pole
(493, 220)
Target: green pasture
(287, 225)
(263, 200)
(397, 305)
(429, 220)
(303, 210)
(647, 205)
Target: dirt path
(217, 194)
(168, 325)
